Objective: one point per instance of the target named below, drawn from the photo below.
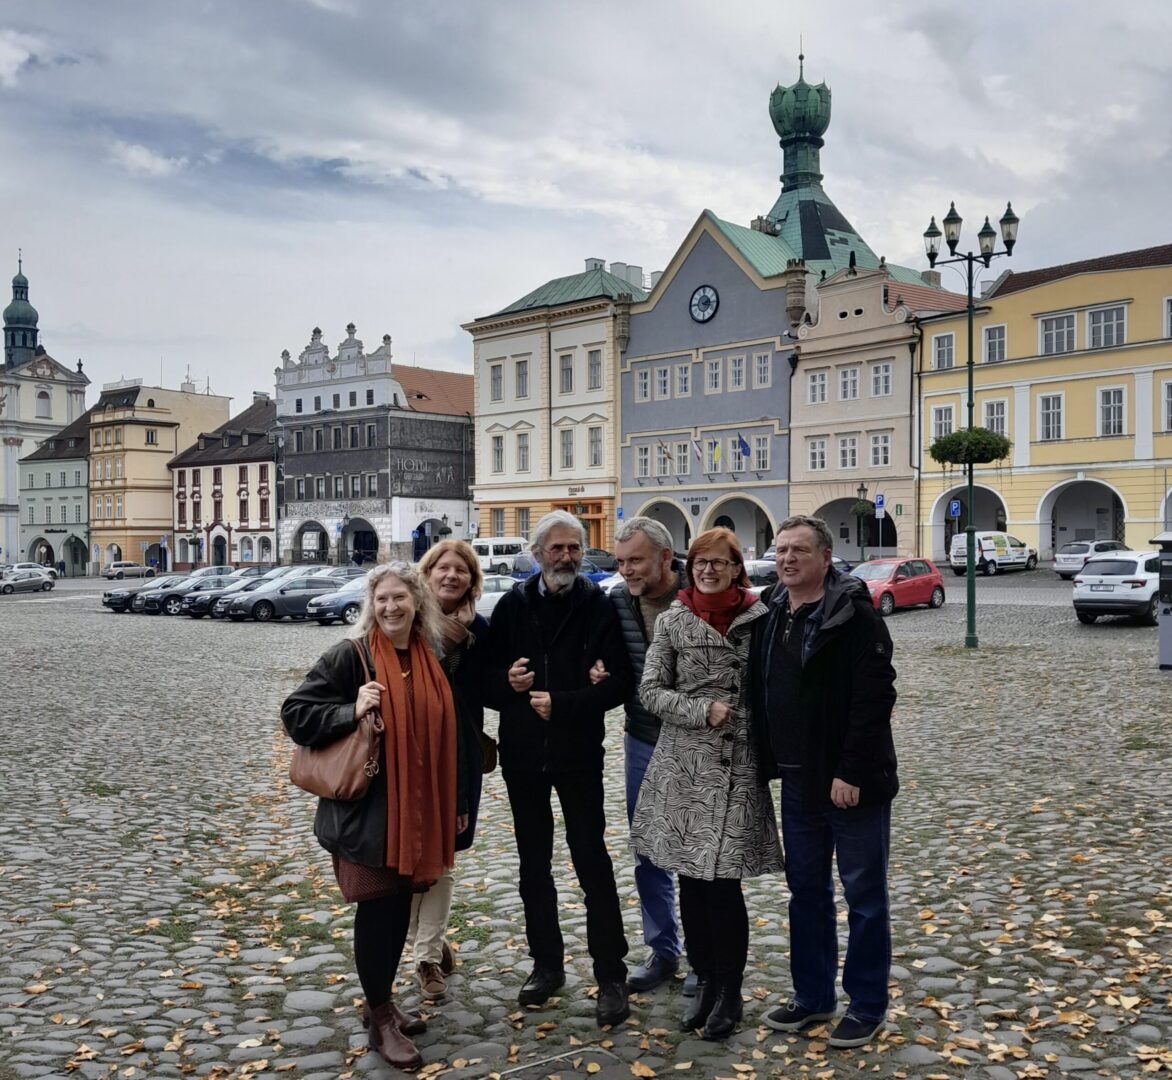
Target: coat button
(727, 736)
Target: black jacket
(846, 693)
(468, 694)
(572, 737)
(640, 723)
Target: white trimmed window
(643, 385)
(594, 438)
(496, 382)
(97, 509)
(712, 378)
(498, 522)
(1168, 406)
(662, 383)
(848, 384)
(642, 460)
(881, 379)
(1168, 316)
(662, 460)
(498, 453)
(1057, 334)
(683, 380)
(522, 451)
(1107, 327)
(880, 450)
(816, 388)
(994, 418)
(76, 512)
(761, 453)
(943, 351)
(118, 506)
(941, 421)
(522, 379)
(762, 370)
(1111, 410)
(684, 459)
(32, 515)
(712, 456)
(594, 369)
(736, 460)
(1049, 417)
(567, 440)
(817, 454)
(523, 522)
(566, 366)
(736, 373)
(994, 339)
(848, 452)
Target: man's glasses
(564, 549)
(712, 564)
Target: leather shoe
(389, 1041)
(408, 1024)
(654, 972)
(725, 1015)
(541, 986)
(613, 1007)
(702, 1002)
(690, 982)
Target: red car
(896, 583)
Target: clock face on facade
(704, 303)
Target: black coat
(468, 693)
(587, 631)
(846, 694)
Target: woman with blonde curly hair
(400, 837)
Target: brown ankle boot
(388, 1039)
(408, 1024)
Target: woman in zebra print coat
(703, 809)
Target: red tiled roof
(429, 390)
(1126, 260)
(923, 298)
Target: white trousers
(429, 920)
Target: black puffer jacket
(846, 693)
(589, 630)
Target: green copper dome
(20, 324)
(800, 115)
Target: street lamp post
(861, 514)
(987, 241)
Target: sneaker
(851, 1031)
(447, 958)
(655, 971)
(541, 986)
(793, 1017)
(613, 1007)
(432, 984)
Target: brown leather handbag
(344, 769)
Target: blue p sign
(954, 508)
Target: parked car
(26, 581)
(495, 586)
(1071, 557)
(120, 597)
(1118, 583)
(996, 551)
(122, 569)
(50, 570)
(199, 603)
(344, 603)
(901, 583)
(138, 604)
(837, 561)
(253, 571)
(604, 560)
(218, 605)
(762, 573)
(169, 601)
(608, 583)
(213, 571)
(286, 596)
(347, 573)
(497, 554)
(525, 566)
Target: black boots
(701, 1005)
(726, 1013)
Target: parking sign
(954, 508)
(880, 507)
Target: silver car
(26, 581)
(495, 586)
(1071, 557)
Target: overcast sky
(201, 182)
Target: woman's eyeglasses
(712, 564)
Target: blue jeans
(861, 839)
(656, 888)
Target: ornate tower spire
(800, 115)
(20, 321)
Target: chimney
(655, 276)
(619, 270)
(595, 264)
(931, 277)
(635, 276)
(259, 396)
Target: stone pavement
(165, 911)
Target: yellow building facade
(1073, 364)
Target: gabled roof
(923, 299)
(56, 447)
(431, 391)
(257, 420)
(1126, 260)
(588, 285)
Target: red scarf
(717, 609)
(420, 750)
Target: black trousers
(581, 798)
(716, 927)
(380, 931)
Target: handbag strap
(360, 649)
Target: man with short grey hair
(546, 635)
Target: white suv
(1118, 583)
(1070, 557)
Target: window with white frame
(880, 449)
(339, 487)
(117, 468)
(642, 460)
(943, 351)
(32, 515)
(1049, 417)
(816, 388)
(522, 378)
(355, 492)
(595, 441)
(712, 456)
(1107, 326)
(643, 385)
(498, 522)
(523, 522)
(761, 453)
(371, 492)
(881, 379)
(594, 369)
(566, 367)
(941, 421)
(44, 405)
(817, 454)
(49, 479)
(49, 514)
(762, 370)
(684, 380)
(848, 452)
(498, 453)
(118, 506)
(1168, 317)
(1058, 334)
(76, 513)
(1111, 410)
(736, 373)
(522, 451)
(712, 378)
(736, 460)
(994, 341)
(684, 459)
(109, 468)
(662, 460)
(567, 441)
(662, 382)
(98, 509)
(1168, 406)
(993, 416)
(848, 383)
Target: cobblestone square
(166, 911)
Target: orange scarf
(420, 750)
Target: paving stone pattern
(166, 912)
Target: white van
(996, 551)
(496, 553)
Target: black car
(604, 560)
(280, 598)
(345, 604)
(138, 605)
(120, 598)
(199, 603)
(169, 600)
(218, 605)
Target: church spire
(20, 321)
(800, 115)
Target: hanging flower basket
(975, 446)
(445, 531)
(863, 509)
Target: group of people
(723, 691)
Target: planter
(970, 446)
